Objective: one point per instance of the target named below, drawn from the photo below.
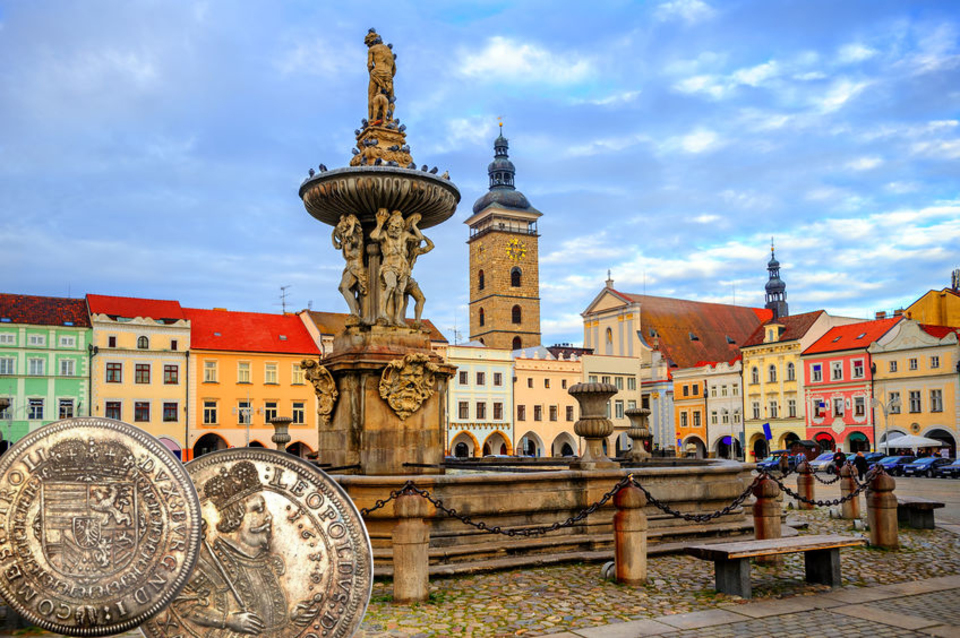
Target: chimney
(898, 312)
(881, 314)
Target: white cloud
(706, 218)
(747, 200)
(709, 84)
(852, 53)
(757, 75)
(839, 94)
(865, 163)
(720, 86)
(810, 76)
(939, 149)
(901, 188)
(606, 145)
(316, 57)
(506, 59)
(700, 141)
(464, 132)
(614, 99)
(690, 11)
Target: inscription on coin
(99, 526)
(285, 553)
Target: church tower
(504, 261)
(776, 290)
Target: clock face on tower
(516, 249)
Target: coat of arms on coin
(285, 553)
(99, 526)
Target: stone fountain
(382, 391)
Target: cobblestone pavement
(573, 598)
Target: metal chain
(381, 503)
(826, 481)
(699, 518)
(852, 495)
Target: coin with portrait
(284, 554)
(99, 526)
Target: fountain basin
(363, 190)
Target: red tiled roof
(853, 336)
(795, 326)
(44, 311)
(938, 331)
(675, 320)
(248, 332)
(132, 307)
(333, 323)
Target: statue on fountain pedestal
(382, 67)
(417, 245)
(348, 237)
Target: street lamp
(886, 407)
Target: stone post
(638, 433)
(281, 431)
(848, 509)
(882, 512)
(411, 560)
(766, 514)
(805, 485)
(630, 536)
(593, 426)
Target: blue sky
(155, 149)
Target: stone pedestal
(364, 429)
(805, 485)
(630, 536)
(411, 541)
(882, 512)
(638, 433)
(593, 426)
(848, 509)
(766, 515)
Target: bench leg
(903, 516)
(921, 519)
(733, 577)
(823, 566)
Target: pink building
(839, 386)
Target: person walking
(860, 462)
(839, 458)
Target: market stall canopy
(911, 441)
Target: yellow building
(690, 409)
(140, 364)
(916, 382)
(245, 371)
(938, 307)
(773, 379)
(624, 374)
(544, 411)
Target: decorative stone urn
(593, 426)
(638, 433)
(281, 431)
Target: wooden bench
(732, 560)
(916, 512)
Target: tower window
(517, 314)
(480, 281)
(515, 277)
(517, 343)
(482, 317)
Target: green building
(44, 362)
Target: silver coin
(99, 526)
(285, 553)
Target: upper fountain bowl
(363, 190)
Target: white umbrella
(912, 442)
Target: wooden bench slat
(771, 546)
(915, 502)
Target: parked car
(874, 457)
(772, 462)
(822, 463)
(952, 470)
(894, 464)
(925, 466)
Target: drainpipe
(186, 407)
(92, 351)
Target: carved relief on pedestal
(406, 383)
(324, 386)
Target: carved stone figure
(406, 383)
(380, 62)
(348, 237)
(394, 267)
(324, 386)
(417, 245)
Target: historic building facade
(479, 401)
(689, 405)
(545, 412)
(504, 261)
(917, 382)
(713, 390)
(245, 372)
(140, 365)
(624, 373)
(938, 307)
(839, 386)
(44, 362)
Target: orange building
(690, 409)
(245, 372)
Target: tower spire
(776, 290)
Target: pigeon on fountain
(356, 132)
(433, 171)
(364, 123)
(323, 169)
(402, 128)
(378, 162)
(354, 151)
(412, 165)
(405, 148)
(363, 160)
(311, 172)
(424, 168)
(395, 147)
(392, 163)
(446, 175)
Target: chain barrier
(699, 518)
(393, 495)
(852, 495)
(825, 481)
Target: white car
(822, 463)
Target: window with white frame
(7, 412)
(792, 408)
(463, 377)
(683, 419)
(791, 372)
(773, 408)
(912, 363)
(569, 413)
(736, 417)
(631, 383)
(481, 410)
(463, 410)
(756, 409)
(243, 372)
(893, 402)
(618, 382)
(68, 341)
(481, 378)
(269, 411)
(893, 366)
(297, 375)
(858, 369)
(298, 413)
(498, 379)
(859, 406)
(36, 340)
(618, 409)
(934, 361)
(68, 367)
(816, 372)
(837, 406)
(210, 371)
(66, 408)
(35, 409)
(8, 365)
(754, 375)
(936, 400)
(915, 405)
(735, 389)
(270, 373)
(8, 339)
(210, 412)
(836, 370)
(714, 417)
(35, 367)
(498, 411)
(696, 418)
(713, 391)
(772, 373)
(725, 417)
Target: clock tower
(504, 261)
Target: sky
(155, 149)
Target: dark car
(772, 462)
(951, 470)
(894, 464)
(873, 457)
(925, 466)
